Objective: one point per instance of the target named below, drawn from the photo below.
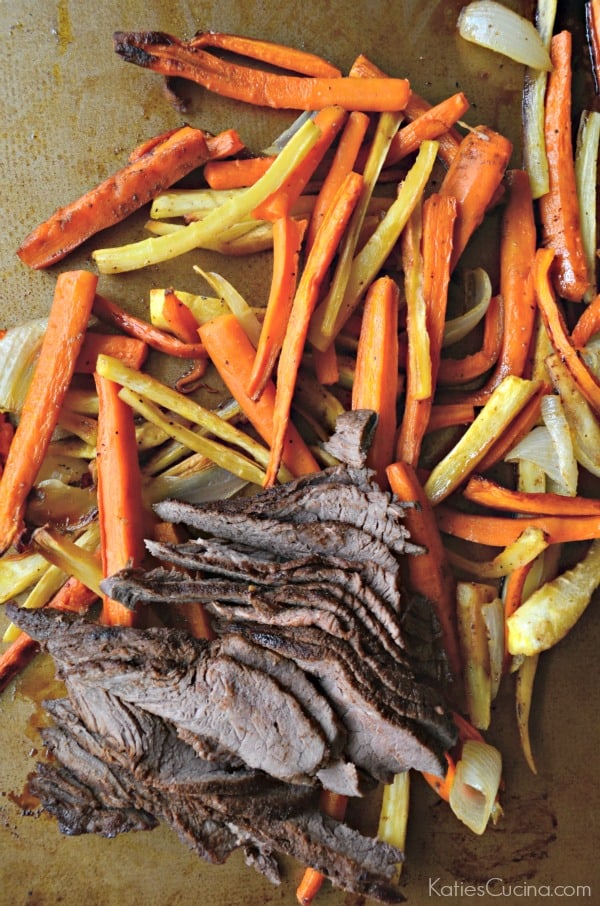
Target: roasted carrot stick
(329, 121)
(446, 415)
(559, 207)
(179, 319)
(268, 52)
(476, 364)
(237, 173)
(427, 122)
(232, 354)
(473, 179)
(305, 299)
(129, 349)
(167, 55)
(224, 144)
(557, 330)
(517, 251)
(120, 508)
(489, 493)
(155, 338)
(429, 573)
(587, 324)
(16, 657)
(326, 365)
(376, 376)
(67, 322)
(73, 596)
(343, 162)
(439, 216)
(287, 241)
(500, 531)
(115, 198)
(442, 785)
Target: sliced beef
(353, 435)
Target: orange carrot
(287, 241)
(224, 144)
(587, 324)
(343, 162)
(500, 531)
(236, 174)
(429, 574)
(489, 493)
(334, 805)
(447, 415)
(329, 122)
(232, 354)
(473, 178)
(559, 207)
(7, 432)
(128, 349)
(326, 365)
(376, 373)
(115, 198)
(280, 55)
(179, 318)
(120, 508)
(427, 122)
(73, 597)
(442, 785)
(155, 338)
(557, 330)
(470, 367)
(16, 657)
(513, 598)
(305, 299)
(517, 252)
(67, 322)
(168, 56)
(439, 216)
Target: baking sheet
(70, 112)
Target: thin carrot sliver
(235, 174)
(157, 339)
(232, 354)
(376, 374)
(179, 318)
(287, 241)
(473, 179)
(432, 123)
(559, 207)
(519, 427)
(448, 415)
(329, 122)
(343, 162)
(429, 573)
(16, 657)
(115, 198)
(120, 508)
(487, 492)
(69, 315)
(587, 324)
(281, 55)
(500, 531)
(128, 349)
(557, 330)
(305, 299)
(476, 364)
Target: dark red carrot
(136, 327)
(559, 207)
